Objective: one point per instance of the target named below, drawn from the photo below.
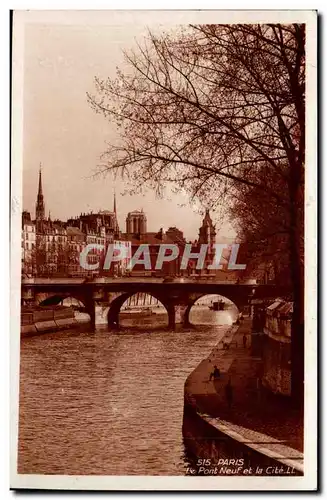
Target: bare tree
(264, 229)
(212, 108)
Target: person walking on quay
(215, 373)
(244, 340)
(229, 393)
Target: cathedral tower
(136, 223)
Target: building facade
(51, 247)
(28, 244)
(277, 348)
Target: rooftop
(71, 230)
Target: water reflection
(202, 312)
(108, 403)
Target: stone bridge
(176, 295)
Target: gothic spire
(40, 182)
(116, 226)
(39, 207)
(115, 208)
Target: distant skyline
(63, 133)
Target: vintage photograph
(164, 250)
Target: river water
(110, 403)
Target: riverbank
(257, 422)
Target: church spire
(39, 207)
(115, 208)
(40, 182)
(116, 226)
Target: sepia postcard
(163, 250)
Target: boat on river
(137, 312)
(218, 305)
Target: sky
(67, 137)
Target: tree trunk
(297, 276)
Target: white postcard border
(309, 480)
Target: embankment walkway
(262, 420)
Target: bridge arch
(52, 299)
(116, 305)
(191, 307)
(55, 299)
